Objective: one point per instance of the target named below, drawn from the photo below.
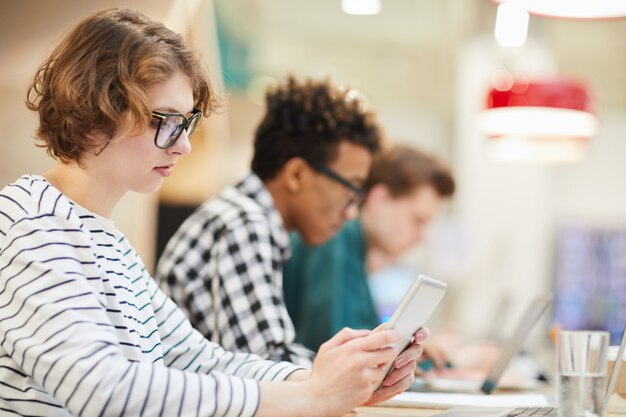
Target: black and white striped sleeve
(186, 348)
(56, 328)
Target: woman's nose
(182, 146)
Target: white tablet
(416, 307)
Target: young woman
(84, 330)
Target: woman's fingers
(397, 374)
(377, 340)
(411, 353)
(386, 392)
(343, 336)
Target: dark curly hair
(308, 120)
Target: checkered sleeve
(253, 314)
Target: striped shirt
(84, 329)
(224, 267)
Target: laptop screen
(529, 320)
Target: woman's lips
(164, 171)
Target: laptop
(530, 318)
(541, 411)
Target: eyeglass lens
(171, 127)
(356, 194)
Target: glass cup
(582, 366)
(620, 388)
(617, 405)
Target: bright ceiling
(417, 40)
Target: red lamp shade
(556, 93)
(547, 108)
(548, 120)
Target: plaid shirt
(223, 267)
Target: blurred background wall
(424, 66)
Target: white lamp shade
(533, 121)
(575, 9)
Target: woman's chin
(148, 188)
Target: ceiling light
(511, 24)
(361, 7)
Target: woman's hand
(346, 374)
(403, 372)
(350, 366)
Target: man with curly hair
(223, 267)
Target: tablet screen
(416, 307)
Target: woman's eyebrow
(170, 110)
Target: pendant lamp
(573, 9)
(547, 120)
(361, 7)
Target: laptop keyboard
(533, 411)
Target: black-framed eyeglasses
(169, 126)
(358, 193)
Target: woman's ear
(295, 175)
(98, 142)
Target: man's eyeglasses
(169, 126)
(358, 193)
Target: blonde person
(84, 329)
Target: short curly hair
(308, 120)
(99, 74)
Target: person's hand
(403, 372)
(349, 367)
(435, 356)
